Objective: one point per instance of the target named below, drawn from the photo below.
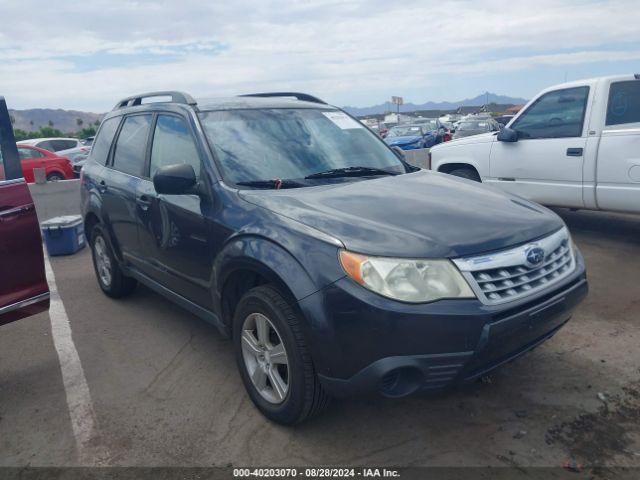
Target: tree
(31, 123)
(79, 122)
(50, 123)
(87, 132)
(96, 123)
(49, 132)
(21, 135)
(13, 119)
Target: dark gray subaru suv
(336, 267)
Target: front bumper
(359, 346)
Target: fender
(473, 151)
(258, 253)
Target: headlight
(407, 280)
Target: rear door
(23, 284)
(618, 168)
(29, 159)
(120, 181)
(546, 163)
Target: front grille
(508, 275)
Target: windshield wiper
(350, 172)
(276, 184)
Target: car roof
(21, 144)
(33, 141)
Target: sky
(85, 55)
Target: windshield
(474, 126)
(407, 131)
(268, 144)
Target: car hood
(421, 214)
(481, 138)
(402, 140)
(468, 133)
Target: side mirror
(175, 179)
(507, 135)
(399, 152)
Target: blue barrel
(63, 235)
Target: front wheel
(273, 358)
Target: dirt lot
(165, 390)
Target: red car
(23, 284)
(56, 167)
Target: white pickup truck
(574, 145)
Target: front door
(618, 173)
(545, 164)
(173, 228)
(23, 284)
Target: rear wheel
(110, 277)
(468, 173)
(273, 358)
(55, 177)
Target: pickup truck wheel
(273, 358)
(110, 277)
(467, 173)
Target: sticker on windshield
(345, 122)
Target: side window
(131, 145)
(26, 153)
(47, 145)
(102, 144)
(624, 103)
(173, 144)
(63, 144)
(556, 114)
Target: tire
(55, 177)
(115, 284)
(467, 173)
(304, 397)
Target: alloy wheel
(265, 358)
(103, 262)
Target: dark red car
(56, 167)
(23, 284)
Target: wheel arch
(250, 261)
(450, 167)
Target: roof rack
(305, 97)
(176, 97)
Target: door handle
(12, 213)
(574, 152)
(144, 201)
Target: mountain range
(483, 98)
(67, 121)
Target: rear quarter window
(624, 103)
(102, 143)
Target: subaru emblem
(534, 256)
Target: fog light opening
(401, 382)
